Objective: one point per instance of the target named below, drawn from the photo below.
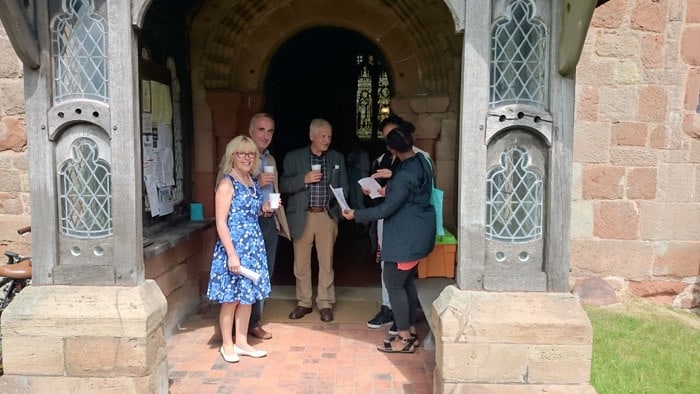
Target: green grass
(645, 349)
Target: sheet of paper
(152, 193)
(372, 185)
(338, 193)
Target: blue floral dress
(244, 229)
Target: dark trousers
(402, 294)
(269, 233)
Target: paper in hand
(372, 185)
(338, 193)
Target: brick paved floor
(302, 358)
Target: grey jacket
(409, 218)
(296, 165)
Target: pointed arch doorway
(314, 75)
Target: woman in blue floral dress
(238, 202)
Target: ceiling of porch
(233, 41)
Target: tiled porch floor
(302, 358)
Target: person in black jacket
(409, 233)
(387, 161)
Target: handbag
(436, 198)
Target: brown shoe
(299, 311)
(326, 314)
(259, 333)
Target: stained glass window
(519, 57)
(373, 96)
(80, 53)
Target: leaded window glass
(518, 57)
(514, 199)
(80, 53)
(373, 96)
(85, 201)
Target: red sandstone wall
(636, 199)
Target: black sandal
(387, 347)
(416, 341)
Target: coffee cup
(269, 169)
(274, 200)
(315, 167)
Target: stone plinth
(85, 339)
(524, 342)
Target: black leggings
(402, 294)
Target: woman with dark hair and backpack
(409, 233)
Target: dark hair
(401, 138)
(398, 121)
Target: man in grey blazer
(312, 214)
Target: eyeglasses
(249, 155)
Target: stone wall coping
(169, 237)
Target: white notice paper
(338, 193)
(372, 185)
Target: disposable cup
(274, 200)
(315, 167)
(269, 169)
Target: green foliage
(644, 351)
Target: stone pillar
(490, 342)
(85, 339)
(90, 322)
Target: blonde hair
(242, 143)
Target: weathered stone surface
(655, 288)
(427, 127)
(499, 338)
(629, 133)
(629, 259)
(60, 311)
(653, 104)
(689, 45)
(617, 45)
(692, 88)
(692, 12)
(627, 73)
(91, 356)
(616, 220)
(156, 383)
(633, 157)
(485, 388)
(582, 219)
(677, 259)
(11, 97)
(12, 133)
(665, 221)
(485, 362)
(618, 103)
(510, 317)
(641, 183)
(592, 142)
(559, 364)
(595, 291)
(587, 98)
(653, 51)
(650, 15)
(608, 15)
(675, 182)
(32, 355)
(603, 182)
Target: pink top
(407, 265)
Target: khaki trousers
(322, 230)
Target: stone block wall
(14, 175)
(636, 186)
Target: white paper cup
(274, 200)
(269, 169)
(315, 167)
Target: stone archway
(233, 42)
